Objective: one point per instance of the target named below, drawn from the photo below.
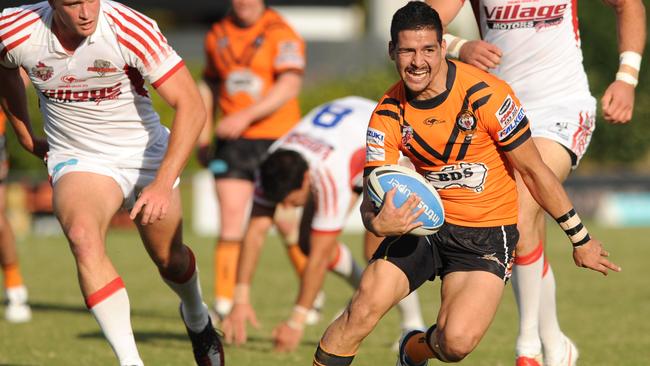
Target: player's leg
(17, 309)
(531, 267)
(177, 266)
(84, 203)
(399, 266)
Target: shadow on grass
(80, 309)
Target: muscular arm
(13, 100)
(209, 90)
(447, 9)
(259, 225)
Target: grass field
(608, 317)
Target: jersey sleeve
(383, 136)
(16, 26)
(288, 50)
(505, 119)
(332, 194)
(143, 45)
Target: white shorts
(570, 123)
(131, 181)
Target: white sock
(110, 307)
(409, 309)
(346, 267)
(16, 294)
(195, 312)
(527, 283)
(549, 327)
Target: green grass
(606, 316)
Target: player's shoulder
(128, 20)
(275, 24)
(393, 99)
(470, 77)
(22, 19)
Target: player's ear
(391, 50)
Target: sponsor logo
(512, 126)
(375, 137)
(516, 16)
(428, 211)
(42, 71)
(507, 111)
(433, 121)
(95, 95)
(316, 146)
(375, 154)
(493, 257)
(466, 122)
(102, 67)
(71, 79)
(407, 135)
(464, 175)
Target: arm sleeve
(505, 119)
(289, 50)
(210, 71)
(383, 137)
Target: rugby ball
(407, 181)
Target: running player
(466, 132)
(555, 92)
(88, 60)
(17, 310)
(317, 165)
(253, 75)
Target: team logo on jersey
(102, 67)
(407, 135)
(466, 122)
(244, 81)
(433, 121)
(71, 79)
(42, 71)
(464, 175)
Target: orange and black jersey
(456, 141)
(246, 61)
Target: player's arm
(209, 90)
(13, 100)
(181, 93)
(549, 193)
(234, 325)
(447, 9)
(286, 87)
(618, 100)
(288, 334)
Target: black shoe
(206, 345)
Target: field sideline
(607, 317)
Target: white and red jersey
(540, 40)
(94, 101)
(332, 138)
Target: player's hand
(232, 126)
(393, 221)
(480, 54)
(286, 338)
(234, 325)
(618, 102)
(592, 255)
(152, 203)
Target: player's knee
(456, 345)
(364, 311)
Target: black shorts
(238, 158)
(452, 249)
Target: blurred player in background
(535, 47)
(253, 75)
(318, 166)
(444, 116)
(106, 147)
(17, 310)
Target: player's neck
(250, 20)
(68, 39)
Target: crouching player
(467, 133)
(318, 165)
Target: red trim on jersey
(135, 50)
(104, 292)
(580, 130)
(5, 36)
(532, 257)
(335, 199)
(137, 37)
(546, 267)
(323, 204)
(357, 162)
(14, 44)
(148, 21)
(167, 75)
(574, 18)
(142, 28)
(314, 231)
(23, 14)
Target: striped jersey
(94, 101)
(456, 140)
(331, 138)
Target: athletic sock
(549, 327)
(324, 358)
(110, 307)
(297, 257)
(409, 309)
(188, 289)
(526, 283)
(11, 275)
(226, 255)
(345, 266)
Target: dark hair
(415, 15)
(282, 172)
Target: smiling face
(420, 61)
(76, 19)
